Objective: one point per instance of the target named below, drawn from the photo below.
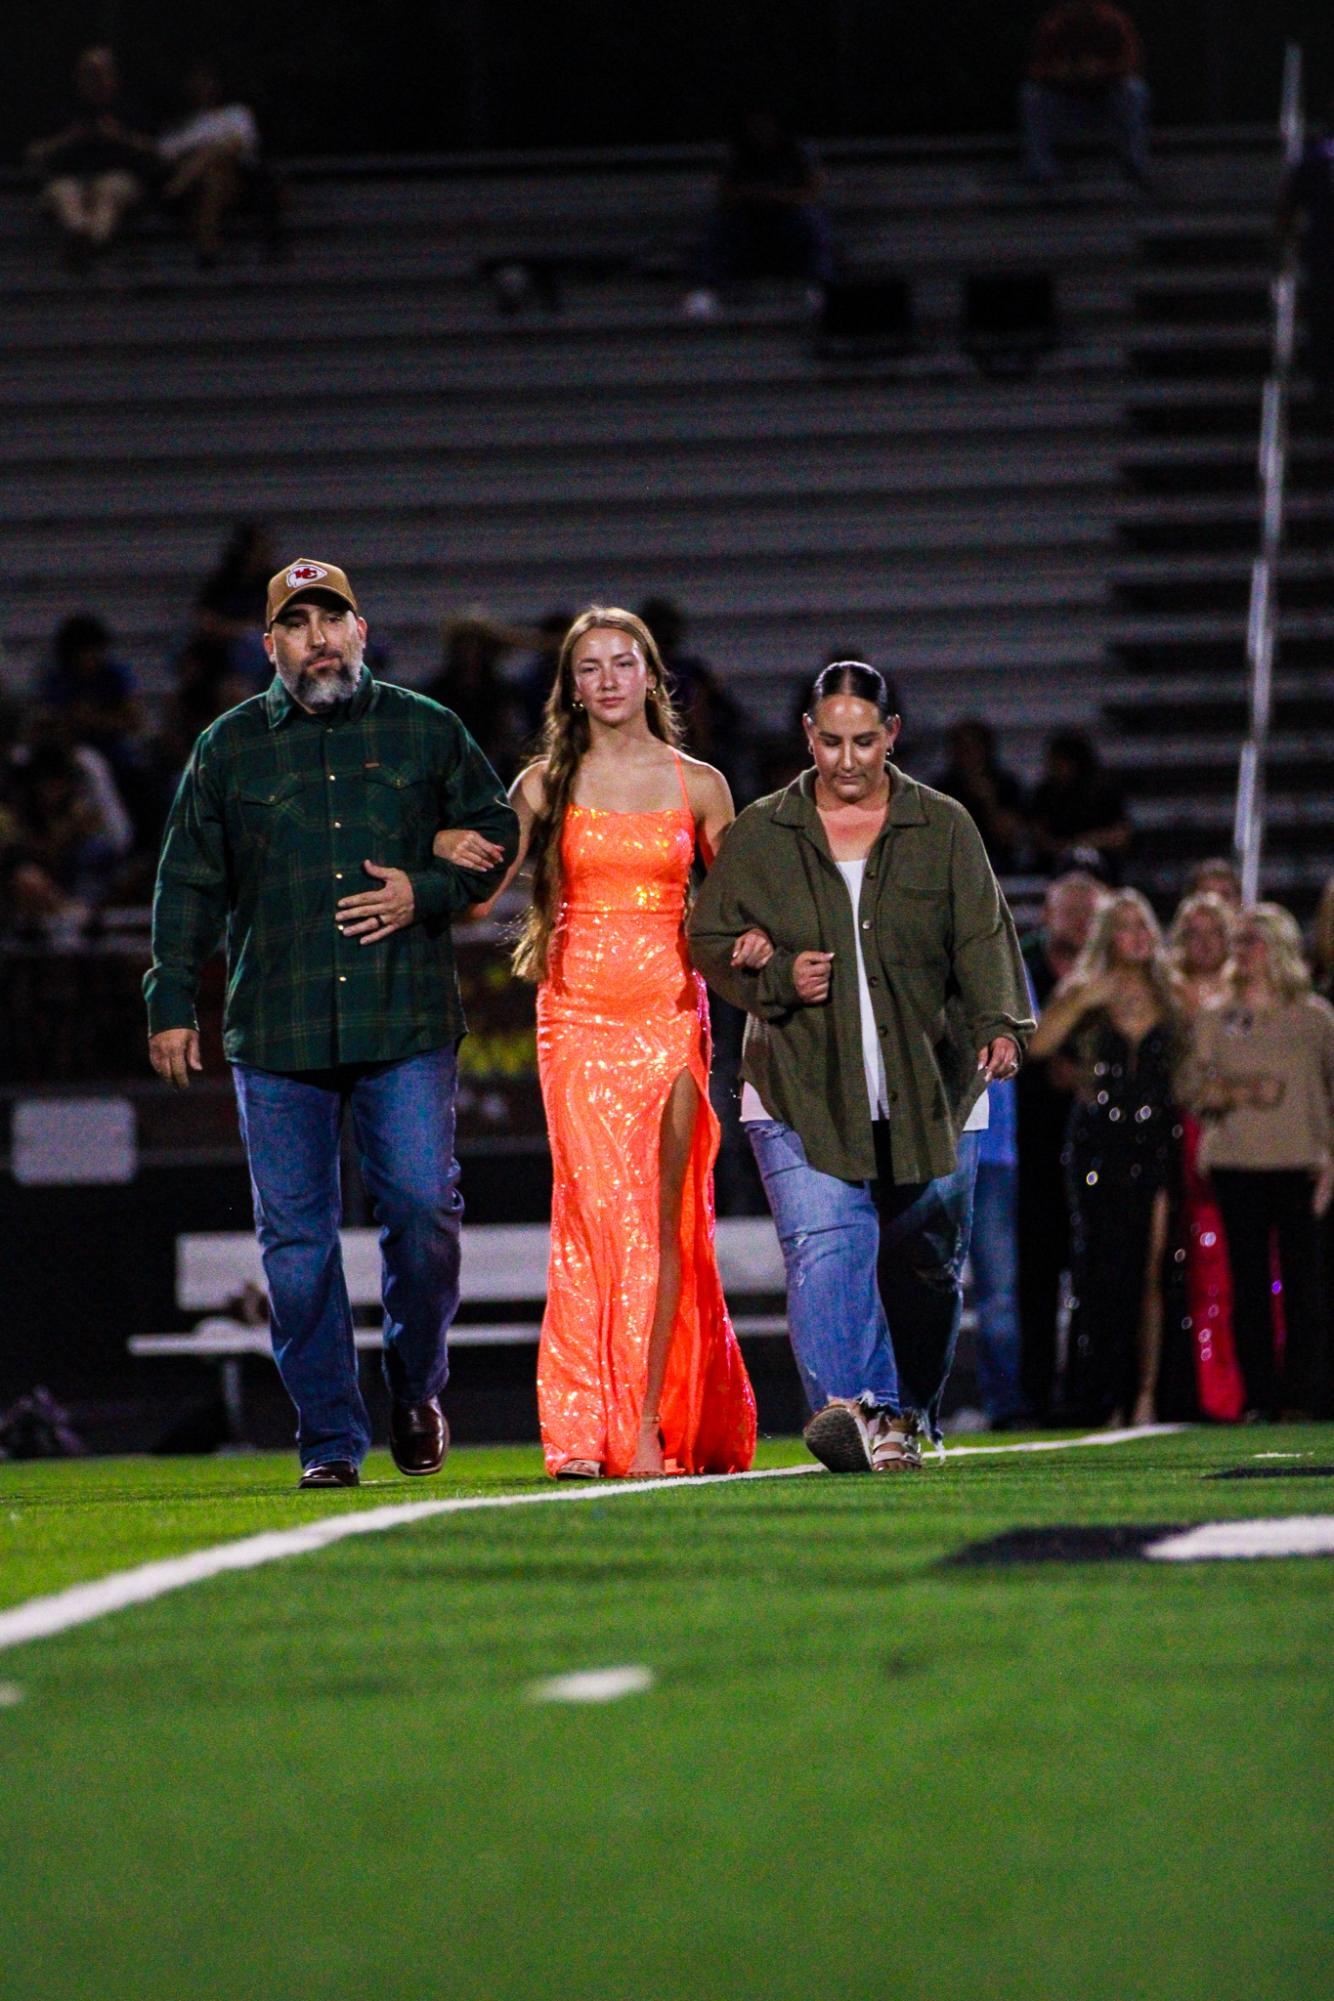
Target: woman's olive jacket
(942, 963)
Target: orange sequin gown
(620, 1016)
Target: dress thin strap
(685, 796)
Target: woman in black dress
(1117, 1013)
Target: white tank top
(873, 1058)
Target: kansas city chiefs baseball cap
(305, 574)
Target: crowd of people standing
(1182, 1086)
(1176, 1141)
(1177, 1093)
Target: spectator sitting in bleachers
(1085, 80)
(1077, 804)
(769, 220)
(712, 718)
(93, 695)
(230, 605)
(93, 700)
(978, 780)
(469, 681)
(213, 154)
(207, 684)
(96, 168)
(533, 677)
(70, 832)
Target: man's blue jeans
(403, 1120)
(995, 1259)
(874, 1271)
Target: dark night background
(370, 76)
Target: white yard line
(593, 1685)
(41, 1618)
(1290, 1535)
(1065, 1444)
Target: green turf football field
(857, 1772)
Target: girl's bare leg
(1151, 1313)
(110, 198)
(64, 196)
(678, 1134)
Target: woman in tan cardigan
(1261, 1077)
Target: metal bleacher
(1015, 545)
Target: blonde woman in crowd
(1200, 943)
(1116, 1012)
(1261, 1078)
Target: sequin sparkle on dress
(620, 1016)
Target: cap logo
(305, 573)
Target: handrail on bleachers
(1262, 619)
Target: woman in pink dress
(1200, 941)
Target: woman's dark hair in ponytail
(854, 677)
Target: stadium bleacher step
(1016, 547)
(1189, 510)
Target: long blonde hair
(1289, 974)
(1201, 901)
(565, 740)
(1096, 957)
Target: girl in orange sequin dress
(639, 1371)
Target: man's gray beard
(327, 691)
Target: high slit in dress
(620, 1016)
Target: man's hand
(174, 1053)
(377, 913)
(999, 1059)
(810, 976)
(753, 950)
(467, 849)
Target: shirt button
(338, 875)
(873, 981)
(338, 823)
(332, 776)
(866, 924)
(342, 979)
(884, 1031)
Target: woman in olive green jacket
(894, 993)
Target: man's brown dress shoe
(333, 1473)
(418, 1436)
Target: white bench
(504, 1265)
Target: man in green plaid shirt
(303, 830)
